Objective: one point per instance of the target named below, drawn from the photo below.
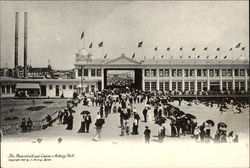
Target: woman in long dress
(82, 128)
(70, 122)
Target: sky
(55, 27)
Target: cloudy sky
(54, 29)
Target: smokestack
(16, 42)
(25, 43)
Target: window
(161, 86)
(179, 86)
(191, 85)
(147, 86)
(248, 72)
(173, 86)
(186, 72)
(237, 86)
(153, 85)
(199, 86)
(236, 72)
(85, 72)
(79, 72)
(74, 86)
(242, 72)
(50, 87)
(87, 89)
(8, 88)
(92, 88)
(198, 72)
(230, 86)
(186, 85)
(147, 72)
(13, 87)
(63, 87)
(166, 72)
(224, 86)
(191, 72)
(153, 72)
(242, 86)
(217, 72)
(92, 72)
(3, 88)
(205, 86)
(166, 86)
(161, 73)
(99, 72)
(70, 87)
(204, 72)
(179, 72)
(211, 73)
(224, 72)
(173, 72)
(229, 72)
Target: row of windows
(93, 72)
(8, 88)
(164, 86)
(191, 72)
(63, 87)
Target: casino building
(164, 74)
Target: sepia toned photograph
(124, 84)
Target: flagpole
(232, 56)
(142, 51)
(102, 51)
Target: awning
(27, 86)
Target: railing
(14, 127)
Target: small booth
(27, 89)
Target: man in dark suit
(145, 112)
(88, 121)
(147, 134)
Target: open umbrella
(99, 122)
(190, 116)
(180, 113)
(160, 121)
(211, 122)
(85, 112)
(171, 118)
(222, 125)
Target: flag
(105, 56)
(193, 49)
(181, 49)
(198, 56)
(82, 35)
(172, 57)
(153, 57)
(100, 44)
(168, 49)
(207, 56)
(133, 56)
(140, 44)
(243, 48)
(205, 49)
(230, 49)
(218, 49)
(162, 56)
(216, 56)
(155, 48)
(238, 45)
(90, 46)
(189, 56)
(225, 57)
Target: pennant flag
(198, 56)
(90, 46)
(225, 57)
(168, 49)
(189, 56)
(181, 49)
(216, 56)
(193, 49)
(218, 49)
(140, 44)
(82, 35)
(155, 48)
(100, 44)
(105, 56)
(243, 48)
(205, 49)
(153, 57)
(238, 45)
(230, 49)
(162, 56)
(133, 56)
(207, 56)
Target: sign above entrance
(123, 60)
